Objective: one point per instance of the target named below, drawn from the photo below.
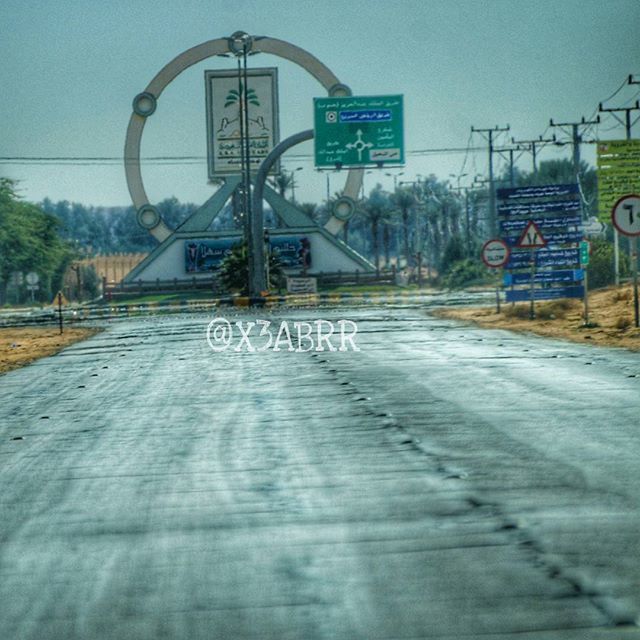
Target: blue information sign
(544, 258)
(523, 295)
(557, 237)
(544, 224)
(543, 191)
(544, 277)
(562, 207)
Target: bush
(464, 273)
(601, 267)
(623, 322)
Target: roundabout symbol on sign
(495, 253)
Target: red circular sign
(495, 253)
(625, 215)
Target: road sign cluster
(542, 227)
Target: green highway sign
(358, 131)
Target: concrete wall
(326, 256)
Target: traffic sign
(358, 131)
(544, 258)
(544, 277)
(551, 237)
(531, 237)
(523, 295)
(495, 253)
(585, 248)
(593, 227)
(32, 278)
(625, 215)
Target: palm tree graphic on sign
(234, 95)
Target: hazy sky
(70, 69)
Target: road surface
(442, 482)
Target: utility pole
(627, 125)
(576, 137)
(627, 110)
(532, 146)
(493, 226)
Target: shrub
(464, 273)
(623, 322)
(601, 266)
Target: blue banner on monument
(524, 295)
(542, 191)
(544, 258)
(562, 207)
(544, 277)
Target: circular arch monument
(145, 103)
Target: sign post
(495, 254)
(531, 238)
(625, 217)
(585, 247)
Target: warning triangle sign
(531, 237)
(60, 299)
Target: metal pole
(60, 311)
(532, 310)
(634, 263)
(586, 297)
(258, 277)
(492, 191)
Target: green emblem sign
(359, 131)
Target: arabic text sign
(207, 254)
(552, 237)
(559, 208)
(544, 277)
(618, 173)
(523, 295)
(358, 131)
(544, 191)
(552, 224)
(224, 94)
(544, 258)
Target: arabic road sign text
(358, 131)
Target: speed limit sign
(625, 215)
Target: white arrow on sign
(593, 227)
(625, 215)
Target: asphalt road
(442, 482)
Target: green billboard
(358, 131)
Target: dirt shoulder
(20, 346)
(611, 318)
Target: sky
(70, 69)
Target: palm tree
(375, 208)
(404, 200)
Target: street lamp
(395, 177)
(293, 183)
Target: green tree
(29, 241)
(374, 209)
(404, 200)
(234, 270)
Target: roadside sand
(20, 346)
(611, 318)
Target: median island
(611, 318)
